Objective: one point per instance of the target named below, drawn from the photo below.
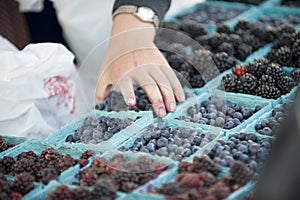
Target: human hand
(133, 59)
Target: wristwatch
(145, 14)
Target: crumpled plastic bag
(36, 89)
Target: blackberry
(193, 28)
(196, 81)
(235, 40)
(176, 48)
(209, 73)
(243, 51)
(23, 183)
(6, 164)
(106, 188)
(217, 39)
(224, 61)
(282, 56)
(286, 33)
(257, 67)
(80, 193)
(202, 164)
(65, 162)
(248, 82)
(242, 25)
(229, 82)
(227, 48)
(24, 165)
(60, 192)
(200, 59)
(27, 155)
(223, 28)
(4, 189)
(175, 61)
(45, 175)
(295, 63)
(268, 92)
(285, 84)
(252, 41)
(296, 48)
(267, 81)
(275, 71)
(240, 174)
(296, 75)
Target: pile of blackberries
(97, 130)
(260, 78)
(286, 51)
(217, 112)
(5, 145)
(245, 147)
(43, 168)
(198, 180)
(21, 185)
(124, 174)
(210, 14)
(103, 189)
(255, 2)
(175, 143)
(271, 126)
(277, 21)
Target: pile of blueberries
(245, 147)
(97, 130)
(217, 112)
(175, 143)
(211, 14)
(270, 126)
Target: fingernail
(161, 112)
(131, 101)
(172, 106)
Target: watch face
(146, 14)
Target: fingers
(126, 87)
(150, 87)
(175, 84)
(165, 89)
(102, 90)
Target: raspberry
(83, 193)
(88, 177)
(85, 156)
(4, 189)
(169, 188)
(60, 192)
(27, 155)
(6, 164)
(185, 167)
(238, 70)
(5, 145)
(24, 165)
(105, 187)
(23, 183)
(220, 190)
(49, 158)
(99, 165)
(203, 179)
(45, 175)
(15, 196)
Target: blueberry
(231, 144)
(246, 112)
(265, 144)
(267, 131)
(153, 141)
(251, 136)
(186, 152)
(236, 107)
(147, 136)
(196, 117)
(236, 121)
(197, 140)
(219, 150)
(227, 148)
(70, 138)
(195, 148)
(221, 114)
(243, 148)
(238, 154)
(230, 112)
(233, 152)
(213, 115)
(238, 115)
(144, 149)
(219, 122)
(257, 108)
(178, 141)
(177, 157)
(258, 127)
(228, 160)
(192, 110)
(165, 133)
(253, 148)
(202, 110)
(212, 122)
(88, 132)
(262, 152)
(162, 142)
(163, 151)
(244, 158)
(242, 136)
(222, 162)
(151, 147)
(170, 140)
(172, 147)
(179, 150)
(161, 125)
(171, 154)
(211, 154)
(253, 165)
(156, 134)
(229, 125)
(187, 146)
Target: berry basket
(195, 148)
(146, 192)
(229, 98)
(145, 118)
(71, 178)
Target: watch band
(133, 10)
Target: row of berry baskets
(213, 146)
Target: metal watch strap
(133, 9)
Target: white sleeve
(31, 5)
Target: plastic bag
(35, 89)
